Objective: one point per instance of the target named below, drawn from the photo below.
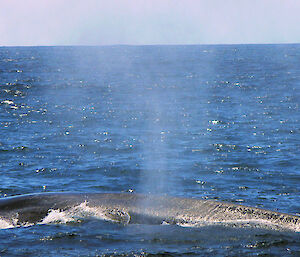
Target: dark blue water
(216, 122)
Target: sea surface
(210, 122)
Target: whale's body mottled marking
(137, 208)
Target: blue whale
(33, 209)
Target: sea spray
(159, 124)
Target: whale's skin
(32, 208)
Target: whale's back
(138, 208)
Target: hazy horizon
(156, 22)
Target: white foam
(74, 214)
(4, 224)
(57, 216)
(11, 223)
(250, 223)
(9, 102)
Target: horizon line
(137, 45)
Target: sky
(144, 22)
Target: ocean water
(210, 122)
